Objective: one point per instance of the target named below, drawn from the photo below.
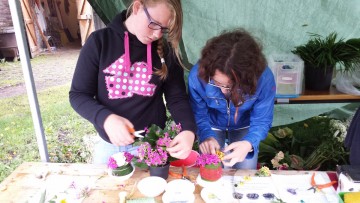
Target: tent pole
(17, 19)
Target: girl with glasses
(124, 70)
(232, 94)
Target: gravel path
(49, 70)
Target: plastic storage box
(288, 70)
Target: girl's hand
(180, 147)
(239, 151)
(209, 146)
(116, 127)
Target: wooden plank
(328, 96)
(40, 31)
(30, 28)
(25, 184)
(86, 21)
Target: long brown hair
(174, 35)
(237, 55)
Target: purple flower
(206, 159)
(112, 163)
(164, 141)
(152, 151)
(128, 157)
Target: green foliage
(64, 130)
(305, 145)
(323, 52)
(122, 170)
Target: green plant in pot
(322, 54)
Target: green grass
(10, 74)
(64, 130)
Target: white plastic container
(288, 70)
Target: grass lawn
(64, 130)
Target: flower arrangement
(120, 164)
(152, 149)
(210, 166)
(208, 160)
(315, 143)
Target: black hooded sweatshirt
(103, 85)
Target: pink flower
(152, 150)
(119, 159)
(112, 163)
(206, 159)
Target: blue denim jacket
(212, 110)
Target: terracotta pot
(211, 172)
(160, 171)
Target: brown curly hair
(239, 56)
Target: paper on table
(258, 187)
(294, 188)
(68, 188)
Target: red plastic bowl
(188, 162)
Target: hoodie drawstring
(127, 53)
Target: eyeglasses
(154, 25)
(215, 83)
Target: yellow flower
(247, 178)
(220, 154)
(263, 172)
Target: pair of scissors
(136, 133)
(318, 187)
(183, 176)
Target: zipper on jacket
(228, 111)
(227, 107)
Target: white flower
(120, 158)
(279, 156)
(338, 129)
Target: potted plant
(120, 165)
(152, 149)
(321, 54)
(210, 166)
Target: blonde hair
(174, 35)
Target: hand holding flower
(239, 151)
(154, 146)
(180, 147)
(209, 146)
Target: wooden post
(41, 32)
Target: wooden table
(31, 178)
(328, 96)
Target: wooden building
(48, 23)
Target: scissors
(183, 176)
(318, 187)
(136, 133)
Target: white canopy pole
(18, 22)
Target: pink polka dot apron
(127, 79)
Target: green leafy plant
(315, 143)
(323, 52)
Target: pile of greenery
(315, 143)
